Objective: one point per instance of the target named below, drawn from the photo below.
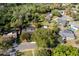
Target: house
(67, 35)
(74, 25)
(48, 17)
(29, 29)
(11, 35)
(68, 18)
(62, 21)
(25, 46)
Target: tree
(45, 38)
(76, 17)
(16, 23)
(24, 36)
(62, 50)
(5, 45)
(55, 13)
(42, 18)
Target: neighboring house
(11, 35)
(68, 18)
(62, 21)
(74, 25)
(25, 46)
(48, 17)
(29, 29)
(67, 35)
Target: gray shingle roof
(29, 29)
(48, 16)
(75, 24)
(62, 20)
(67, 33)
(26, 45)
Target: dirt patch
(73, 43)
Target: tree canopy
(62, 50)
(45, 38)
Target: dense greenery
(62, 50)
(25, 36)
(5, 44)
(45, 38)
(14, 15)
(55, 13)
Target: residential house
(68, 18)
(26, 46)
(29, 29)
(74, 25)
(23, 47)
(62, 21)
(48, 17)
(67, 35)
(11, 35)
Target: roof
(67, 33)
(26, 45)
(48, 16)
(75, 24)
(29, 29)
(9, 35)
(65, 17)
(62, 20)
